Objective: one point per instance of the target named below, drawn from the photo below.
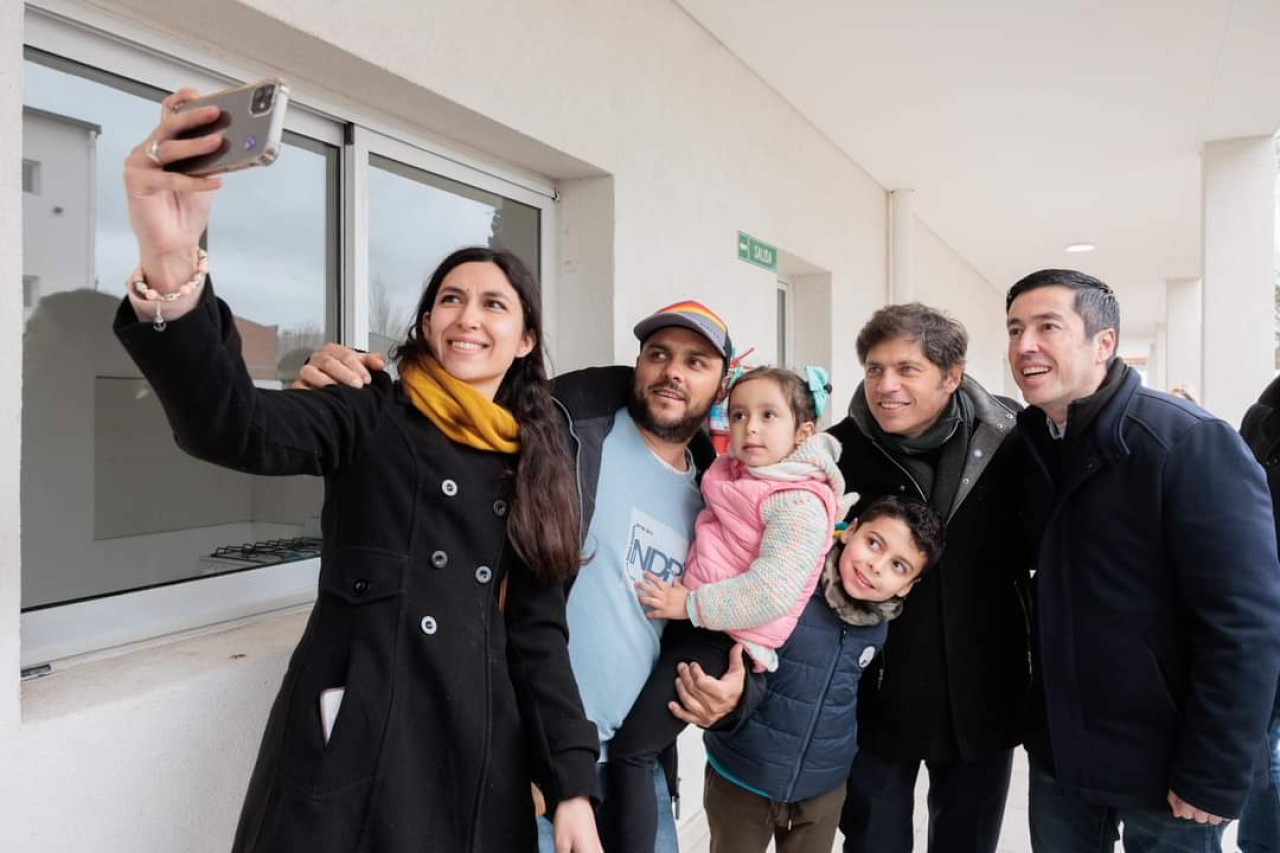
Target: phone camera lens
(263, 97)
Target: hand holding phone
(250, 121)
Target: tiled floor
(1014, 837)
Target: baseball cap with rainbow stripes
(693, 316)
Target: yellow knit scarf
(459, 411)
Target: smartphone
(251, 123)
(330, 702)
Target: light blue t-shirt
(643, 522)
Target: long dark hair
(547, 541)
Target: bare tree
(382, 310)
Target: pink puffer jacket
(729, 530)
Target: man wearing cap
(636, 436)
(640, 448)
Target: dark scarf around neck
(1083, 412)
(935, 458)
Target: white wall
(11, 320)
(586, 275)
(150, 750)
(811, 300)
(944, 280)
(1239, 207)
(58, 220)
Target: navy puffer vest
(801, 740)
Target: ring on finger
(153, 151)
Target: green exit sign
(757, 252)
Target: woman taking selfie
(432, 683)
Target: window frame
(785, 323)
(364, 142)
(91, 37)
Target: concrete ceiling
(1025, 125)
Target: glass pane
(416, 219)
(109, 504)
(269, 245)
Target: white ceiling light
(1080, 247)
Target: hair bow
(819, 387)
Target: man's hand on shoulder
(703, 699)
(1184, 810)
(335, 364)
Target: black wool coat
(1261, 431)
(451, 706)
(1157, 598)
(951, 682)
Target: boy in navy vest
(781, 773)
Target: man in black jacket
(1156, 588)
(949, 688)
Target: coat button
(360, 587)
(499, 508)
(449, 487)
(428, 625)
(484, 574)
(902, 488)
(439, 559)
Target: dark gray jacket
(590, 400)
(952, 681)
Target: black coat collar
(1097, 419)
(1084, 454)
(1261, 426)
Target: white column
(902, 225)
(1158, 366)
(1238, 181)
(1183, 334)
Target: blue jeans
(667, 840)
(1259, 830)
(1061, 822)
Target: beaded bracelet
(138, 287)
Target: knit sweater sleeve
(795, 537)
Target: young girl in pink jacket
(771, 507)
